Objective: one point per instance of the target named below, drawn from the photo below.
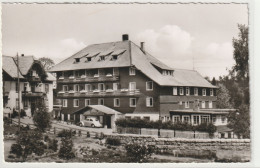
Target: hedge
(182, 126)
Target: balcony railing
(34, 78)
(99, 93)
(83, 79)
(33, 94)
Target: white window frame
(147, 85)
(115, 86)
(186, 116)
(90, 87)
(131, 102)
(176, 118)
(87, 100)
(75, 86)
(99, 101)
(132, 71)
(164, 73)
(64, 102)
(204, 92)
(187, 104)
(203, 104)
(207, 117)
(63, 86)
(99, 86)
(211, 92)
(187, 90)
(148, 101)
(74, 102)
(130, 86)
(181, 90)
(197, 117)
(210, 104)
(115, 104)
(174, 91)
(180, 103)
(196, 91)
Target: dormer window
(131, 71)
(77, 60)
(88, 59)
(102, 58)
(167, 72)
(114, 57)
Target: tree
(47, 63)
(66, 148)
(41, 117)
(223, 97)
(213, 82)
(28, 142)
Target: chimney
(125, 37)
(196, 106)
(22, 55)
(142, 46)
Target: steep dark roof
(25, 63)
(10, 67)
(132, 56)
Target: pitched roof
(10, 67)
(25, 63)
(133, 56)
(104, 109)
(50, 77)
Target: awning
(96, 110)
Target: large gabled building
(126, 78)
(35, 84)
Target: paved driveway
(64, 125)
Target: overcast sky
(173, 33)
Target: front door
(33, 106)
(108, 120)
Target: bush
(14, 114)
(207, 127)
(53, 144)
(7, 121)
(65, 133)
(139, 152)
(65, 151)
(113, 141)
(41, 118)
(23, 113)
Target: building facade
(124, 77)
(35, 85)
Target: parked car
(90, 122)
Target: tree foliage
(28, 142)
(47, 63)
(223, 97)
(41, 118)
(66, 148)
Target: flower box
(109, 90)
(96, 91)
(109, 75)
(71, 77)
(96, 76)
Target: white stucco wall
(13, 95)
(153, 117)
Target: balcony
(84, 79)
(33, 94)
(100, 93)
(34, 79)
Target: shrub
(66, 151)
(14, 114)
(28, 142)
(41, 118)
(53, 144)
(23, 113)
(207, 127)
(7, 121)
(139, 152)
(65, 133)
(113, 141)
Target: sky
(183, 36)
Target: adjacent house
(124, 77)
(35, 84)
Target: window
(196, 91)
(187, 104)
(77, 59)
(203, 92)
(147, 118)
(149, 85)
(25, 103)
(223, 119)
(65, 88)
(88, 87)
(164, 72)
(116, 102)
(132, 86)
(132, 102)
(180, 103)
(76, 102)
(115, 86)
(203, 104)
(210, 104)
(174, 90)
(101, 101)
(214, 119)
(87, 102)
(187, 91)
(186, 118)
(131, 71)
(17, 104)
(196, 119)
(205, 119)
(26, 87)
(88, 59)
(102, 58)
(114, 57)
(211, 92)
(176, 118)
(76, 88)
(46, 87)
(115, 71)
(149, 102)
(181, 90)
(64, 103)
(101, 87)
(77, 74)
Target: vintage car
(90, 122)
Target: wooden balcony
(33, 94)
(34, 79)
(96, 93)
(84, 79)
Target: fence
(164, 133)
(55, 130)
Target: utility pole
(18, 89)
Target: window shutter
(147, 101)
